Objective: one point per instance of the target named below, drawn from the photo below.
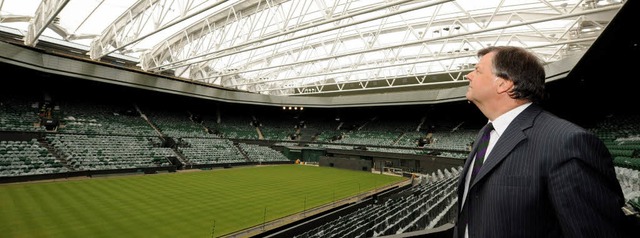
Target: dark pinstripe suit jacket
(545, 177)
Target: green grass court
(190, 204)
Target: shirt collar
(501, 123)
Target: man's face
(482, 80)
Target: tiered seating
(325, 129)
(619, 127)
(262, 153)
(92, 118)
(277, 127)
(394, 125)
(104, 152)
(422, 207)
(627, 162)
(19, 114)
(177, 124)
(27, 158)
(621, 135)
(385, 138)
(210, 151)
(235, 127)
(409, 139)
(456, 140)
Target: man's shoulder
(550, 119)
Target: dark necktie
(483, 144)
(481, 151)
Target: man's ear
(504, 86)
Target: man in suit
(542, 176)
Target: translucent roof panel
(310, 47)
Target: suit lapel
(509, 139)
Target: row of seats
(18, 114)
(262, 153)
(95, 118)
(106, 119)
(201, 151)
(19, 158)
(80, 152)
(105, 152)
(421, 207)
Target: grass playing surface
(191, 204)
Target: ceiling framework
(314, 47)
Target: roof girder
(44, 16)
(521, 37)
(239, 81)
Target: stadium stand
(111, 138)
